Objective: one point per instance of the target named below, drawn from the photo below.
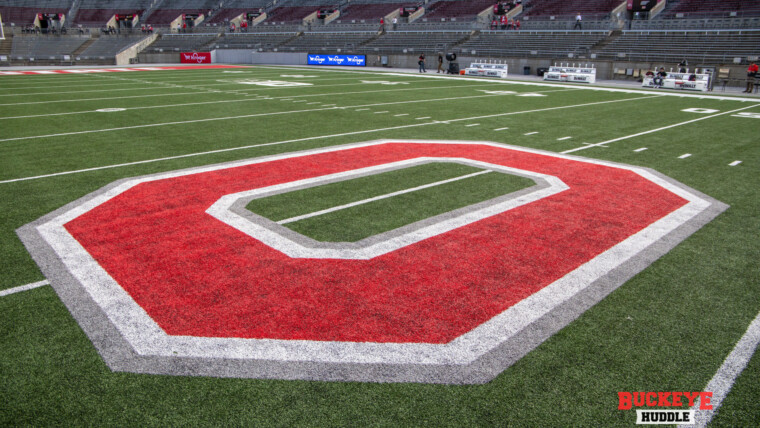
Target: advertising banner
(195, 58)
(349, 60)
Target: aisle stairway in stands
(85, 45)
(7, 44)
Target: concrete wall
(605, 69)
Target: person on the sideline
(752, 71)
(440, 65)
(421, 62)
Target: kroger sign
(351, 60)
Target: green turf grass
(668, 328)
(362, 221)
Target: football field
(333, 247)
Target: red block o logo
(168, 274)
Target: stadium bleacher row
(661, 39)
(96, 13)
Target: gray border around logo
(121, 355)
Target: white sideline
(657, 129)
(308, 139)
(23, 288)
(720, 384)
(377, 198)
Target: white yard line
(210, 152)
(23, 288)
(196, 94)
(324, 107)
(640, 150)
(531, 133)
(684, 156)
(658, 129)
(304, 139)
(501, 129)
(402, 114)
(732, 367)
(734, 163)
(377, 198)
(381, 112)
(563, 138)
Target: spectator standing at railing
(578, 20)
(421, 62)
(752, 71)
(395, 23)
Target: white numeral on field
(700, 110)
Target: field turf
(667, 329)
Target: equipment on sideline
(685, 81)
(585, 74)
(487, 69)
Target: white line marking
(732, 366)
(501, 129)
(423, 117)
(23, 288)
(658, 129)
(531, 133)
(640, 150)
(380, 112)
(734, 163)
(402, 114)
(684, 156)
(299, 101)
(472, 124)
(563, 138)
(302, 139)
(377, 198)
(315, 102)
(361, 109)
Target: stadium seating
(414, 41)
(327, 42)
(264, 41)
(714, 8)
(456, 9)
(563, 8)
(25, 15)
(698, 47)
(368, 11)
(108, 46)
(524, 43)
(181, 42)
(290, 13)
(45, 47)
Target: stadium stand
(530, 43)
(368, 11)
(464, 10)
(291, 13)
(705, 47)
(713, 8)
(414, 41)
(327, 42)
(181, 42)
(263, 41)
(45, 47)
(591, 9)
(108, 46)
(92, 13)
(25, 15)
